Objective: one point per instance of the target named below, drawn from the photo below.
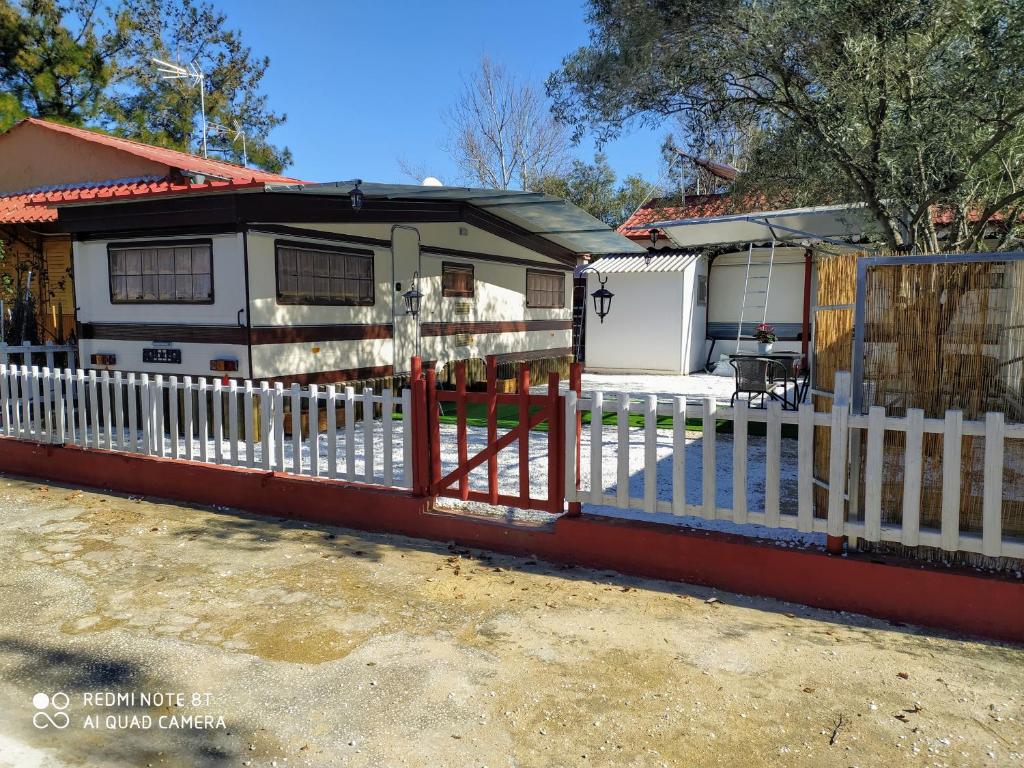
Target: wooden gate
(530, 412)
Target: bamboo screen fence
(936, 337)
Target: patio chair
(757, 377)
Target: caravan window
(456, 280)
(545, 290)
(161, 273)
(319, 274)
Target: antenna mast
(170, 71)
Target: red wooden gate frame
(426, 437)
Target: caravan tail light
(223, 365)
(103, 359)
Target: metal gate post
(434, 430)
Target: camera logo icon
(50, 710)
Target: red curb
(977, 604)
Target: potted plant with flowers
(765, 336)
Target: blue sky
(364, 83)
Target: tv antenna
(222, 130)
(171, 71)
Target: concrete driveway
(260, 642)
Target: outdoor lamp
(653, 234)
(412, 297)
(357, 196)
(602, 300)
(602, 296)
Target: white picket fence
(200, 420)
(842, 423)
(48, 351)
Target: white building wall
(643, 332)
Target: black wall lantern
(412, 297)
(602, 296)
(653, 234)
(357, 196)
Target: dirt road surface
(296, 645)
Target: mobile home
(308, 283)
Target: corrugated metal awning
(671, 261)
(549, 217)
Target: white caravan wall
(92, 290)
(785, 298)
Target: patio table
(789, 361)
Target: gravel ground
(325, 647)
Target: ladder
(756, 284)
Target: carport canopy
(828, 223)
(549, 217)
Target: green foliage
(592, 186)
(901, 106)
(89, 63)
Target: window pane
(133, 262)
(183, 287)
(165, 261)
(201, 287)
(201, 261)
(133, 288)
(149, 261)
(149, 287)
(117, 262)
(322, 264)
(166, 287)
(182, 261)
(118, 289)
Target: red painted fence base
(917, 594)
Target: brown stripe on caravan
(494, 326)
(332, 377)
(180, 332)
(293, 334)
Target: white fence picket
(622, 470)
(314, 431)
(387, 423)
(407, 439)
(108, 432)
(172, 416)
(202, 423)
(912, 467)
(679, 455)
(708, 488)
(186, 415)
(266, 426)
(570, 446)
(332, 431)
(279, 426)
(94, 410)
(952, 442)
(838, 445)
(772, 464)
(805, 468)
(296, 401)
(873, 469)
(133, 417)
(992, 497)
(5, 399)
(596, 447)
(233, 422)
(650, 453)
(144, 413)
(118, 411)
(739, 461)
(350, 433)
(250, 450)
(218, 421)
(368, 452)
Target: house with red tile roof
(43, 164)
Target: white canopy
(822, 223)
